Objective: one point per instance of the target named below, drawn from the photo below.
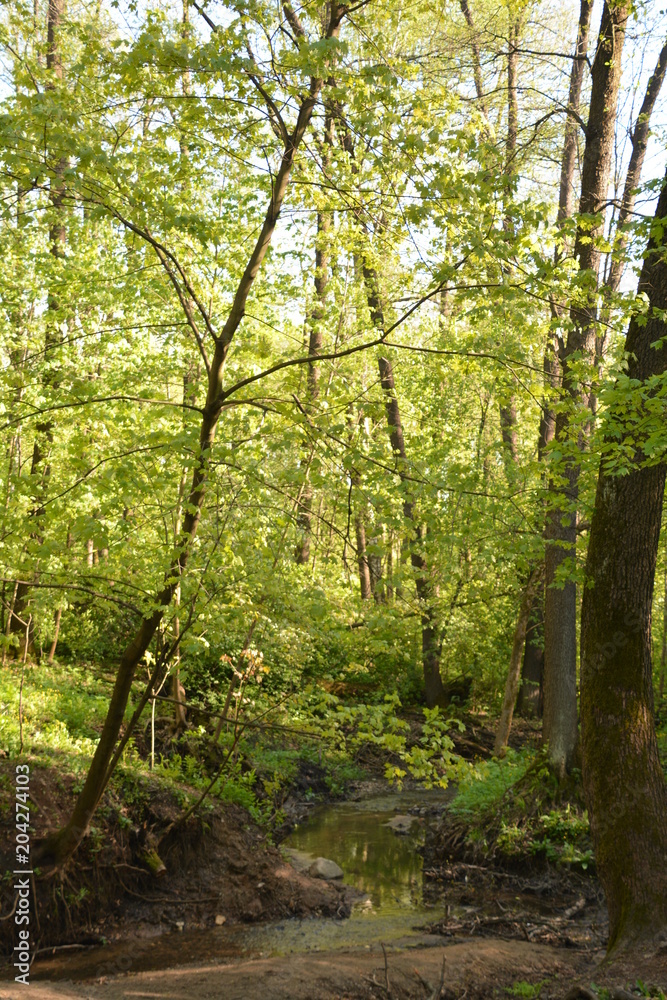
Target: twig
(13, 909)
(386, 969)
(425, 983)
(63, 947)
(438, 990)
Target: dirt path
(474, 970)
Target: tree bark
(508, 422)
(640, 136)
(623, 780)
(362, 559)
(560, 680)
(476, 61)
(514, 672)
(60, 846)
(663, 653)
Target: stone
(401, 824)
(219, 920)
(323, 868)
(253, 910)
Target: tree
(623, 778)
(560, 616)
(61, 845)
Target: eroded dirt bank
(218, 864)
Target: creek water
(376, 842)
(383, 866)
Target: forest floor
(524, 933)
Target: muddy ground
(474, 970)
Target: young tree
(60, 846)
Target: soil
(478, 970)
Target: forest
(333, 361)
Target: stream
(382, 863)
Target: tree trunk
(640, 136)
(476, 61)
(60, 846)
(663, 654)
(41, 470)
(560, 618)
(435, 693)
(514, 672)
(508, 422)
(362, 560)
(529, 705)
(623, 780)
(305, 512)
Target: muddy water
(384, 867)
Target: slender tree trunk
(508, 421)
(623, 780)
(476, 61)
(56, 633)
(640, 136)
(435, 694)
(40, 469)
(514, 672)
(566, 195)
(529, 704)
(560, 680)
(305, 514)
(59, 847)
(362, 560)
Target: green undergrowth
(513, 811)
(307, 746)
(535, 991)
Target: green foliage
(527, 991)
(483, 789)
(514, 809)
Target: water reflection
(376, 860)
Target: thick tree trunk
(560, 681)
(514, 672)
(623, 779)
(59, 847)
(663, 653)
